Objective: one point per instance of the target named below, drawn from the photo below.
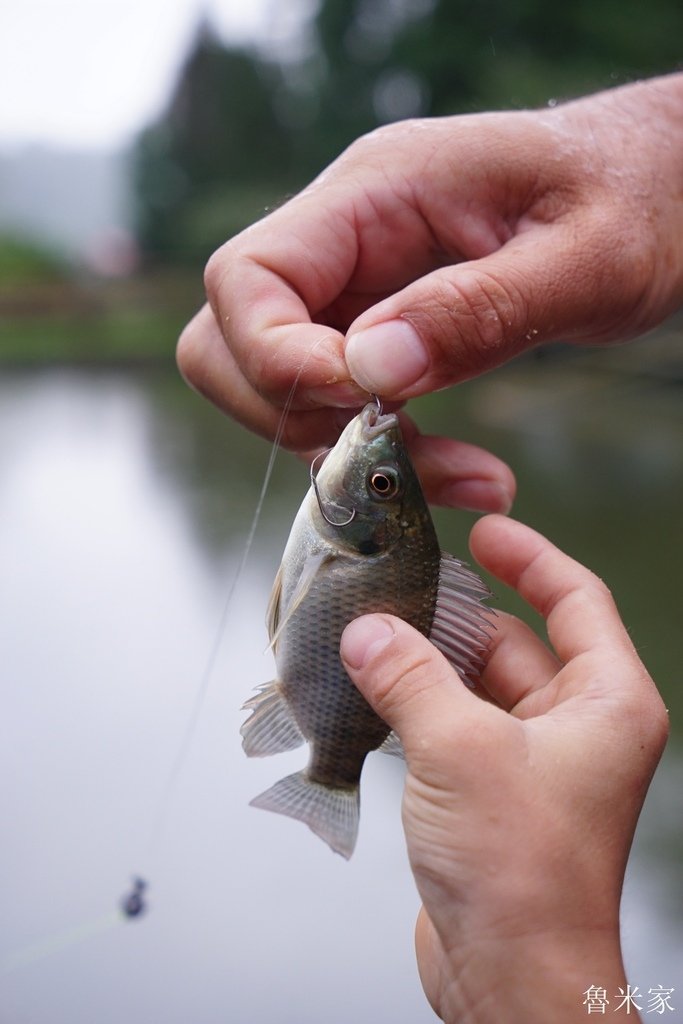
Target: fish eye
(384, 482)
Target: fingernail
(386, 358)
(364, 638)
(477, 496)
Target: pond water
(124, 504)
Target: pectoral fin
(462, 622)
(310, 569)
(273, 610)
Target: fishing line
(61, 941)
(131, 905)
(205, 678)
(58, 943)
(350, 512)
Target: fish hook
(378, 402)
(314, 484)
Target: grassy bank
(65, 320)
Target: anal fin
(271, 727)
(393, 746)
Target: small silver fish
(362, 541)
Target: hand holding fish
(519, 814)
(434, 250)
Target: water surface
(124, 504)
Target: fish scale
(330, 710)
(363, 541)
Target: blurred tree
(361, 81)
(215, 157)
(482, 54)
(241, 131)
(23, 261)
(389, 59)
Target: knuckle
(189, 352)
(397, 683)
(194, 351)
(643, 712)
(586, 590)
(597, 589)
(476, 318)
(215, 270)
(269, 369)
(378, 140)
(658, 725)
(496, 310)
(624, 275)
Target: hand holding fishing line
(519, 855)
(435, 250)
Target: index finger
(266, 287)
(580, 613)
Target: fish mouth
(373, 422)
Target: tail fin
(331, 813)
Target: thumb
(462, 320)
(410, 685)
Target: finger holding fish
(593, 673)
(547, 788)
(272, 305)
(585, 632)
(518, 663)
(590, 703)
(455, 474)
(209, 366)
(579, 610)
(452, 473)
(310, 267)
(259, 312)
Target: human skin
(519, 857)
(435, 250)
(429, 252)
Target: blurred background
(135, 137)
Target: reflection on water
(125, 501)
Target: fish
(362, 541)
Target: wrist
(641, 126)
(534, 979)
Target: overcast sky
(92, 72)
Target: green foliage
(128, 321)
(24, 262)
(241, 132)
(218, 140)
(478, 54)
